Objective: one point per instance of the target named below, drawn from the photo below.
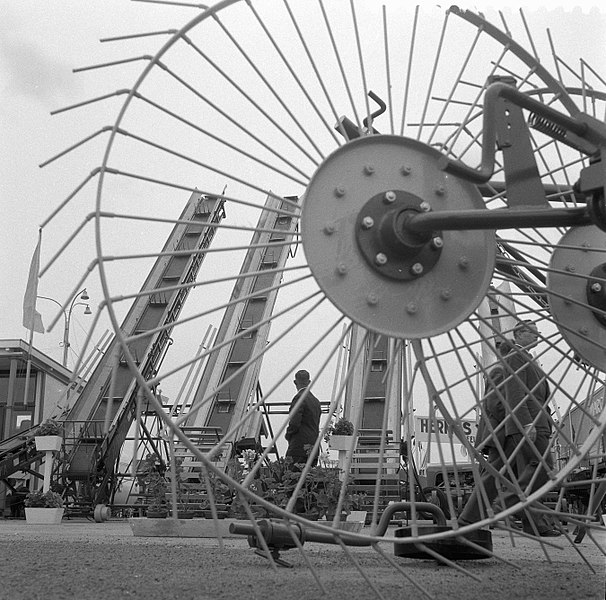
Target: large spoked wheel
(325, 115)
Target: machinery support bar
(446, 220)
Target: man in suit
(302, 431)
(517, 429)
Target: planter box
(200, 528)
(43, 516)
(354, 521)
(44, 443)
(342, 442)
(353, 526)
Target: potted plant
(222, 494)
(154, 486)
(322, 491)
(185, 505)
(43, 507)
(318, 497)
(339, 435)
(49, 436)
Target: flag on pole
(32, 319)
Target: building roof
(19, 349)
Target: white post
(48, 469)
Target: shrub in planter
(340, 427)
(155, 486)
(43, 508)
(39, 499)
(48, 436)
(318, 496)
(49, 427)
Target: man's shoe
(550, 533)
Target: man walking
(521, 432)
(302, 431)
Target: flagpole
(32, 316)
(28, 369)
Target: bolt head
(411, 308)
(571, 268)
(381, 259)
(367, 222)
(342, 269)
(583, 330)
(446, 294)
(596, 287)
(330, 228)
(369, 169)
(339, 191)
(389, 197)
(372, 299)
(437, 242)
(440, 190)
(406, 170)
(463, 262)
(417, 269)
(425, 206)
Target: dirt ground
(80, 559)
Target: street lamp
(67, 315)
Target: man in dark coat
(302, 431)
(517, 421)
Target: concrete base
(198, 528)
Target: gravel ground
(79, 559)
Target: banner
(441, 431)
(32, 319)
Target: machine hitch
(279, 535)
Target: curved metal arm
(493, 93)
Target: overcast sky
(40, 44)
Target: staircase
(369, 465)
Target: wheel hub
(376, 271)
(386, 244)
(576, 284)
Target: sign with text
(441, 430)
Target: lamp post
(67, 315)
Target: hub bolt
(463, 262)
(369, 169)
(596, 287)
(416, 269)
(425, 206)
(372, 299)
(446, 294)
(583, 330)
(339, 191)
(367, 222)
(411, 308)
(440, 190)
(571, 268)
(406, 170)
(342, 269)
(381, 259)
(437, 242)
(329, 228)
(389, 197)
